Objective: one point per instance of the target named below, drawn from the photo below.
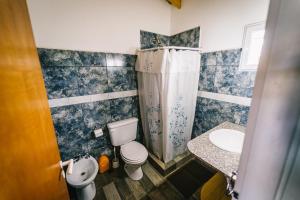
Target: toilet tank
(122, 132)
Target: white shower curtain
(168, 85)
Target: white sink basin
(228, 139)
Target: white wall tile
(227, 98)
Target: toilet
(134, 154)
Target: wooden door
(29, 153)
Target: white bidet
(82, 178)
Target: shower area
(167, 86)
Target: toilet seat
(133, 153)
(133, 162)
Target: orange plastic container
(103, 163)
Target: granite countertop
(224, 161)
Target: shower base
(171, 166)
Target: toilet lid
(134, 151)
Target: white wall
(114, 25)
(221, 21)
(97, 25)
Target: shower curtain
(168, 85)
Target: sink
(228, 139)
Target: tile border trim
(90, 98)
(245, 101)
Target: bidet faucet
(68, 163)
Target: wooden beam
(176, 3)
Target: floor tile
(111, 192)
(170, 191)
(190, 178)
(183, 184)
(136, 188)
(152, 174)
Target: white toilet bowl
(134, 155)
(82, 178)
(123, 133)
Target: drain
(82, 173)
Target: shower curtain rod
(170, 47)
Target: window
(252, 45)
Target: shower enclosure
(168, 84)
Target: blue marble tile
(203, 60)
(140, 133)
(243, 92)
(57, 57)
(224, 78)
(70, 147)
(245, 79)
(98, 146)
(87, 58)
(228, 57)
(207, 78)
(67, 118)
(130, 60)
(99, 59)
(148, 39)
(68, 125)
(243, 84)
(211, 58)
(121, 79)
(121, 108)
(74, 127)
(219, 73)
(96, 114)
(240, 114)
(136, 113)
(61, 82)
(92, 58)
(135, 107)
(189, 38)
(120, 60)
(97, 152)
(244, 115)
(197, 128)
(76, 73)
(134, 82)
(92, 80)
(210, 113)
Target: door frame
(275, 108)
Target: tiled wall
(78, 74)
(210, 113)
(189, 38)
(220, 74)
(148, 39)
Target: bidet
(84, 172)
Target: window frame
(248, 29)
